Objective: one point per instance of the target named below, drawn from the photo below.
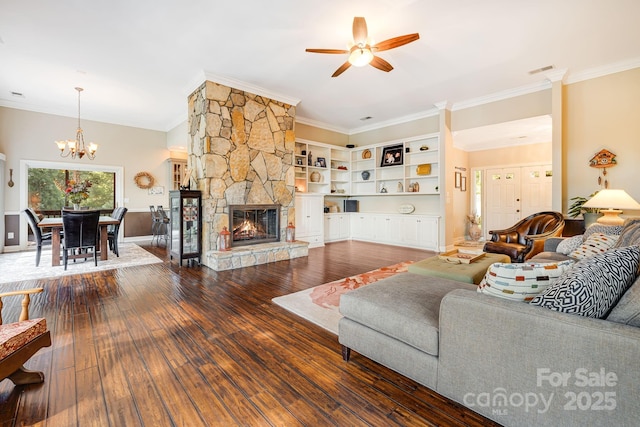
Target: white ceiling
(139, 60)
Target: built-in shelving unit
(322, 168)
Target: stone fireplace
(254, 224)
(241, 153)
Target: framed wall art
(392, 155)
(458, 179)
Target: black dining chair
(80, 235)
(41, 238)
(112, 230)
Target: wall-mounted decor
(392, 155)
(602, 160)
(458, 179)
(144, 180)
(463, 184)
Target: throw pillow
(594, 285)
(596, 244)
(609, 230)
(569, 245)
(521, 281)
(630, 236)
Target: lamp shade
(612, 199)
(611, 204)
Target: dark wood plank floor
(160, 345)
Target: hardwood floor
(160, 345)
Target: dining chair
(163, 230)
(80, 235)
(113, 230)
(156, 223)
(33, 219)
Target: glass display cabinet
(186, 225)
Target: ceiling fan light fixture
(360, 56)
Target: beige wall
(519, 155)
(312, 133)
(602, 113)
(27, 135)
(422, 126)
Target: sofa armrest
(551, 244)
(500, 349)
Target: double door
(513, 193)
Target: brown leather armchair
(526, 238)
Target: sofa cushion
(521, 281)
(405, 307)
(570, 244)
(594, 285)
(595, 244)
(627, 311)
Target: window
(47, 188)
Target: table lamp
(611, 202)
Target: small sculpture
(310, 163)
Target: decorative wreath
(144, 180)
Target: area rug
(19, 266)
(320, 304)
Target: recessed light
(366, 118)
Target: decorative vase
(365, 175)
(315, 176)
(76, 206)
(474, 232)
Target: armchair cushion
(14, 336)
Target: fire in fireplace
(253, 224)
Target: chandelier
(77, 147)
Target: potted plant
(590, 215)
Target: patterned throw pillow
(594, 284)
(596, 244)
(630, 236)
(521, 281)
(569, 245)
(609, 230)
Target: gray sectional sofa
(513, 362)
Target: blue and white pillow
(569, 244)
(594, 285)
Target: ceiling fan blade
(359, 30)
(381, 64)
(326, 50)
(342, 69)
(395, 42)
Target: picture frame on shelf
(458, 179)
(321, 162)
(392, 155)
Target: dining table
(55, 224)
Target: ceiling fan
(361, 53)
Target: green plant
(576, 207)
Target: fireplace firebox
(253, 224)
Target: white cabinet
(336, 227)
(416, 231)
(309, 219)
(420, 231)
(362, 226)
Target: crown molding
(502, 95)
(244, 86)
(397, 121)
(605, 70)
(321, 125)
(557, 75)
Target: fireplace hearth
(254, 224)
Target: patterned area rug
(320, 304)
(19, 266)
